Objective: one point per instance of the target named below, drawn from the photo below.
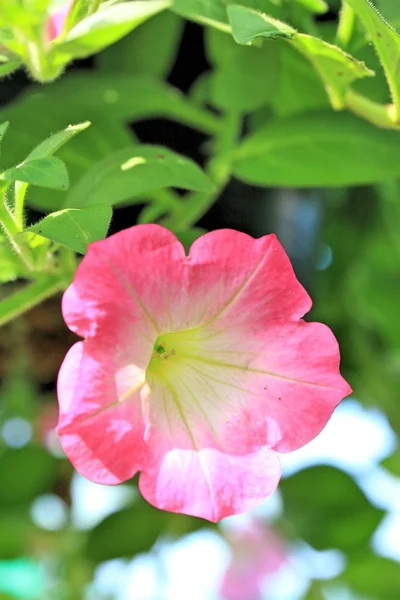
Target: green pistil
(162, 356)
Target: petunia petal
(135, 273)
(242, 281)
(100, 426)
(210, 484)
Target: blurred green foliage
(283, 133)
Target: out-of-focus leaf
(328, 509)
(244, 78)
(375, 88)
(132, 171)
(16, 528)
(387, 44)
(150, 49)
(373, 577)
(188, 237)
(336, 68)
(123, 97)
(390, 11)
(274, 8)
(299, 89)
(206, 12)
(127, 532)
(3, 129)
(24, 474)
(329, 149)
(75, 227)
(47, 172)
(392, 463)
(106, 26)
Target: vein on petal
(238, 291)
(260, 371)
(131, 292)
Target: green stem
(378, 114)
(11, 229)
(346, 25)
(30, 296)
(20, 191)
(219, 169)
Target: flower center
(171, 351)
(164, 353)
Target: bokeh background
(332, 530)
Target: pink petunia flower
(55, 23)
(194, 370)
(257, 553)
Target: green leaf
(188, 237)
(132, 172)
(45, 172)
(123, 97)
(75, 227)
(8, 66)
(387, 44)
(3, 129)
(328, 510)
(51, 113)
(126, 532)
(56, 141)
(149, 50)
(206, 12)
(274, 8)
(336, 68)
(244, 78)
(373, 577)
(248, 24)
(25, 473)
(299, 89)
(329, 149)
(105, 27)
(390, 10)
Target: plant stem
(219, 169)
(31, 295)
(11, 229)
(346, 25)
(378, 114)
(20, 191)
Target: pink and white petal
(241, 281)
(101, 426)
(208, 483)
(299, 373)
(137, 272)
(237, 402)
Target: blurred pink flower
(257, 552)
(194, 370)
(56, 21)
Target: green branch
(31, 295)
